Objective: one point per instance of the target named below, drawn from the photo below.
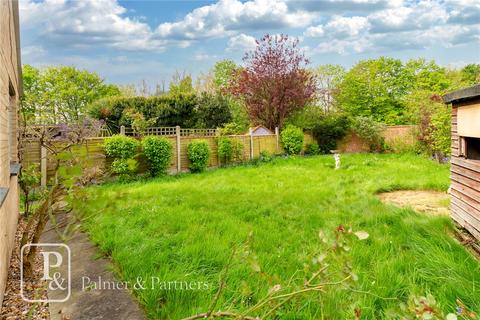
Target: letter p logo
(56, 259)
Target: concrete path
(89, 304)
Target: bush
(120, 147)
(232, 128)
(124, 167)
(265, 156)
(329, 129)
(292, 139)
(158, 152)
(198, 154)
(225, 150)
(312, 149)
(213, 111)
(229, 150)
(434, 124)
(370, 131)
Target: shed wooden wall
(465, 182)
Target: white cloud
(227, 17)
(347, 26)
(412, 25)
(423, 15)
(314, 32)
(242, 43)
(86, 23)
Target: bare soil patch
(431, 202)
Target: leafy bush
(124, 166)
(329, 130)
(225, 150)
(229, 150)
(232, 128)
(198, 153)
(120, 147)
(292, 139)
(138, 121)
(370, 131)
(434, 124)
(212, 111)
(265, 156)
(158, 152)
(312, 149)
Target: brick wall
(10, 91)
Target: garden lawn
(184, 228)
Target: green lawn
(183, 228)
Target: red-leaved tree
(274, 82)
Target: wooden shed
(465, 163)
(259, 131)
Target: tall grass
(183, 228)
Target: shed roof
(463, 94)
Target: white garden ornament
(336, 156)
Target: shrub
(434, 125)
(213, 111)
(329, 129)
(198, 154)
(158, 152)
(124, 167)
(265, 156)
(370, 131)
(292, 139)
(312, 149)
(225, 150)
(229, 150)
(232, 128)
(120, 147)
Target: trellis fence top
(170, 132)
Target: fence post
(277, 138)
(250, 131)
(122, 130)
(177, 133)
(43, 166)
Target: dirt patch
(432, 202)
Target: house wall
(10, 90)
(465, 180)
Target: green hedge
(185, 110)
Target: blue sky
(128, 41)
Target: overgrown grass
(183, 228)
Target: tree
(181, 84)
(425, 75)
(375, 88)
(61, 94)
(471, 73)
(329, 77)
(223, 74)
(274, 82)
